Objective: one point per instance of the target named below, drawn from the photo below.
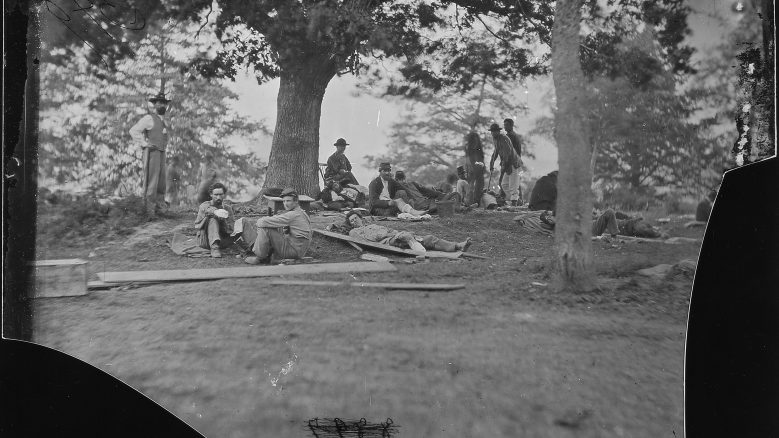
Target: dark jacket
(544, 194)
(374, 191)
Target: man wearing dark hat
(509, 162)
(516, 142)
(383, 196)
(338, 166)
(286, 235)
(152, 132)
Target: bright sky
(365, 121)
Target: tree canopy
(86, 112)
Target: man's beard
(217, 203)
(161, 111)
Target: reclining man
(383, 196)
(544, 222)
(286, 235)
(333, 197)
(356, 226)
(419, 196)
(215, 221)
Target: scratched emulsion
(336, 427)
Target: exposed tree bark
(573, 259)
(294, 153)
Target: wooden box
(59, 278)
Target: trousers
(154, 177)
(271, 241)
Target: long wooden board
(243, 272)
(403, 286)
(383, 247)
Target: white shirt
(335, 196)
(145, 124)
(385, 196)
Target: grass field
(501, 357)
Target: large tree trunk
(573, 259)
(294, 154)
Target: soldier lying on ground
(357, 226)
(286, 235)
(544, 222)
(420, 197)
(214, 221)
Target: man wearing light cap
(152, 132)
(338, 166)
(286, 235)
(509, 161)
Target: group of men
(288, 235)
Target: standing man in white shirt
(152, 132)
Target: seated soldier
(703, 210)
(419, 196)
(286, 235)
(356, 226)
(214, 221)
(338, 166)
(333, 197)
(383, 196)
(544, 193)
(447, 186)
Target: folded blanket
(187, 246)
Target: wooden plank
(383, 247)
(402, 286)
(355, 246)
(475, 256)
(242, 272)
(373, 257)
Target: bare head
(508, 125)
(354, 219)
(218, 192)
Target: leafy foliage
(428, 141)
(87, 110)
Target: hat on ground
(160, 97)
(494, 127)
(289, 192)
(340, 142)
(385, 166)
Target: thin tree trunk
(573, 259)
(294, 155)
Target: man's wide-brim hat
(494, 127)
(159, 97)
(340, 142)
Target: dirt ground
(501, 357)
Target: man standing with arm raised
(509, 161)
